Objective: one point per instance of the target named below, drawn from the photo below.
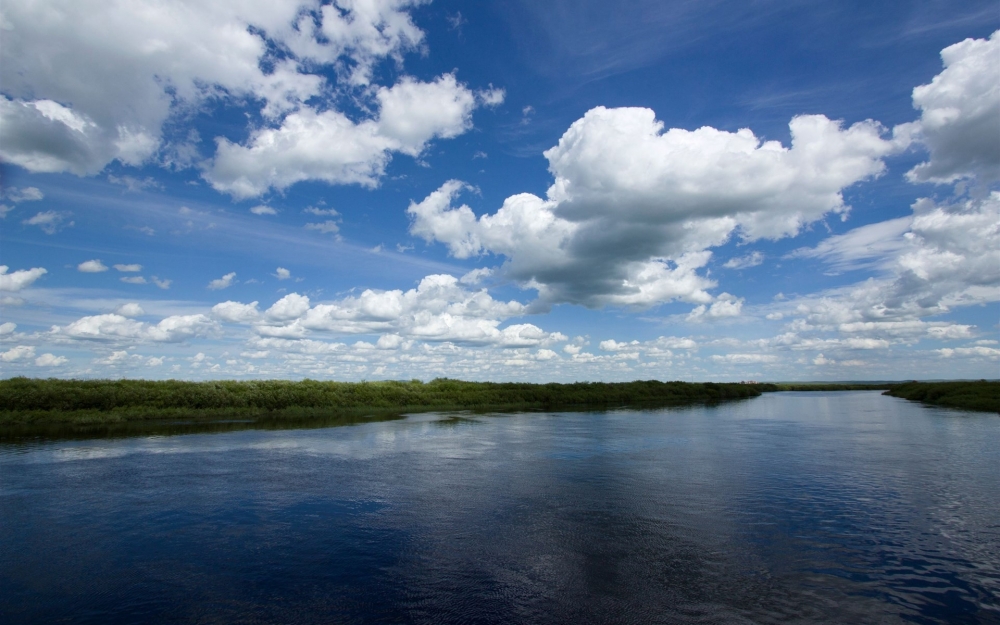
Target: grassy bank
(981, 395)
(29, 405)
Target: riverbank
(32, 406)
(61, 408)
(979, 395)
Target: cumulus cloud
(634, 208)
(125, 67)
(224, 282)
(89, 82)
(438, 309)
(50, 360)
(236, 312)
(19, 279)
(328, 146)
(133, 268)
(133, 280)
(960, 115)
(950, 257)
(724, 306)
(18, 353)
(974, 352)
(118, 327)
(263, 210)
(282, 274)
(413, 112)
(92, 266)
(130, 310)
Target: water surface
(792, 507)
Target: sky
(711, 190)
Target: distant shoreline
(40, 407)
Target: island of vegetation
(978, 395)
(35, 406)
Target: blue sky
(557, 191)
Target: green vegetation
(33, 407)
(830, 386)
(981, 395)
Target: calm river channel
(845, 507)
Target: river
(818, 507)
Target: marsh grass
(31, 407)
(979, 395)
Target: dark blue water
(792, 507)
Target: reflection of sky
(811, 506)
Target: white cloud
(163, 284)
(7, 327)
(744, 262)
(24, 194)
(491, 97)
(861, 247)
(476, 276)
(328, 146)
(235, 312)
(20, 278)
(130, 310)
(744, 359)
(546, 354)
(98, 327)
(413, 112)
(634, 209)
(725, 305)
(128, 268)
(263, 210)
(50, 360)
(974, 352)
(92, 266)
(439, 309)
(327, 212)
(116, 358)
(224, 282)
(821, 360)
(327, 227)
(282, 274)
(89, 82)
(133, 280)
(49, 221)
(181, 327)
(960, 115)
(117, 327)
(948, 257)
(291, 306)
(17, 353)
